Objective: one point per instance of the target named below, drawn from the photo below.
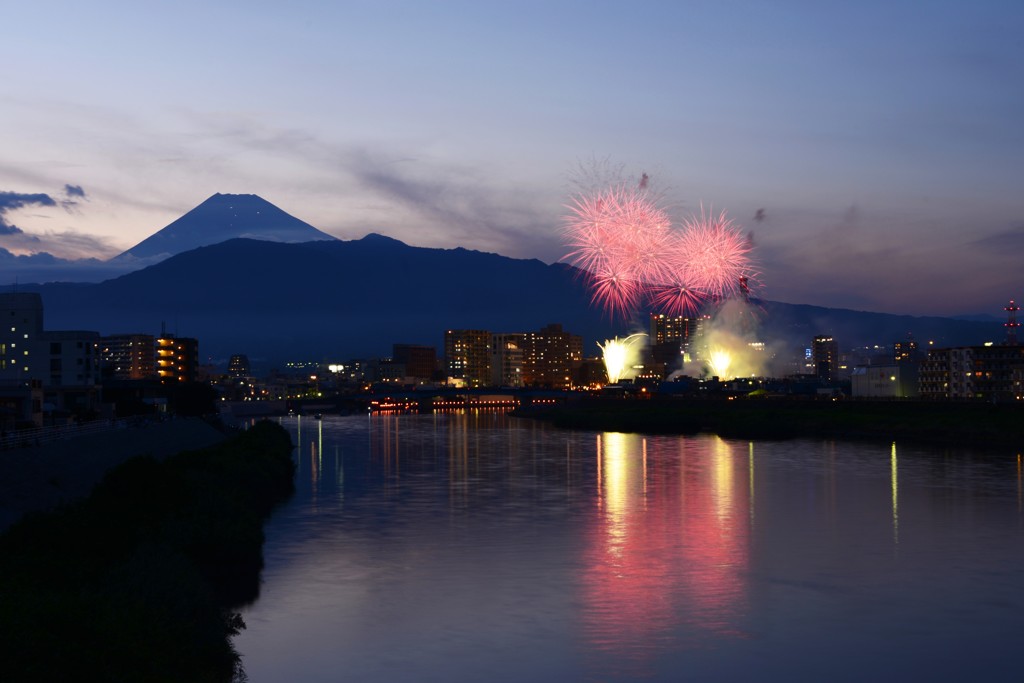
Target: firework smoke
(726, 348)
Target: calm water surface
(478, 547)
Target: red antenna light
(1011, 323)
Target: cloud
(1010, 240)
(866, 257)
(39, 258)
(64, 244)
(11, 201)
(454, 206)
(44, 267)
(50, 244)
(17, 200)
(405, 190)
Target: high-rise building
(467, 356)
(71, 358)
(507, 355)
(906, 350)
(21, 328)
(238, 366)
(666, 328)
(128, 356)
(63, 363)
(825, 356)
(551, 356)
(668, 340)
(177, 359)
(420, 361)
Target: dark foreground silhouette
(969, 425)
(140, 581)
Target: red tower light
(1011, 323)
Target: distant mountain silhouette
(337, 299)
(800, 323)
(220, 218)
(348, 299)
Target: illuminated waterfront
(464, 547)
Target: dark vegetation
(980, 425)
(140, 581)
(132, 398)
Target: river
(480, 547)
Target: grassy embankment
(139, 582)
(955, 424)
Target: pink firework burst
(646, 234)
(618, 236)
(625, 244)
(674, 293)
(618, 291)
(593, 233)
(717, 255)
(677, 299)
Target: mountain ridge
(349, 299)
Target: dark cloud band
(18, 200)
(10, 201)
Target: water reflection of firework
(618, 355)
(667, 558)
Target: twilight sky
(884, 140)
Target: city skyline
(872, 150)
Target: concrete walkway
(64, 471)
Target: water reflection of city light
(386, 445)
(314, 462)
(895, 496)
(750, 472)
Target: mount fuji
(220, 218)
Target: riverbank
(140, 581)
(974, 425)
(43, 477)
